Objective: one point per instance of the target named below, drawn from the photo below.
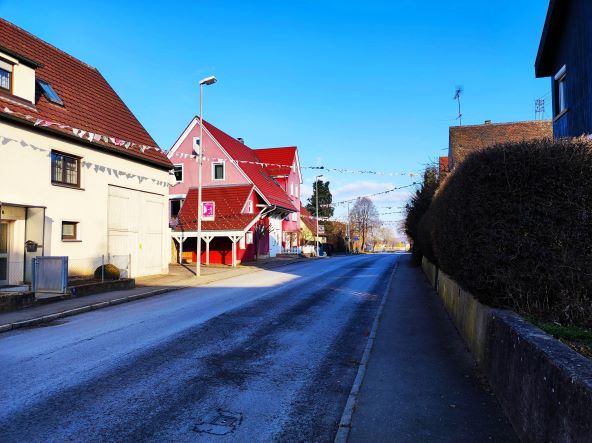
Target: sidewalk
(421, 383)
(179, 277)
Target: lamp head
(208, 80)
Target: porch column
(234, 239)
(208, 239)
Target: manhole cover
(220, 423)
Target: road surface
(269, 356)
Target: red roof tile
(257, 174)
(463, 140)
(308, 219)
(277, 156)
(230, 201)
(90, 103)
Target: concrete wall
(544, 387)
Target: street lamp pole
(206, 81)
(317, 194)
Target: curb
(117, 301)
(348, 412)
(82, 309)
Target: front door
(3, 253)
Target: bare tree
(364, 218)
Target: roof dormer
(17, 75)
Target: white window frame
(249, 237)
(182, 172)
(214, 164)
(249, 207)
(559, 91)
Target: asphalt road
(269, 356)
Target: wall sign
(208, 210)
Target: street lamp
(317, 194)
(206, 81)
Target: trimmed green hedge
(513, 225)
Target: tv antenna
(539, 109)
(458, 93)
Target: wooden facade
(567, 42)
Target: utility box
(50, 276)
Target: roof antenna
(459, 91)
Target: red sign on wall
(208, 210)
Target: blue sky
(363, 85)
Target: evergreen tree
(325, 200)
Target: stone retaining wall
(544, 387)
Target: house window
(249, 237)
(218, 171)
(69, 230)
(65, 169)
(196, 145)
(178, 171)
(294, 216)
(176, 205)
(49, 92)
(249, 207)
(560, 91)
(5, 76)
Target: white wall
(25, 179)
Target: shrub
(111, 272)
(415, 210)
(513, 225)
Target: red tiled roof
(308, 219)
(90, 103)
(463, 140)
(230, 201)
(256, 173)
(277, 156)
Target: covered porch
(22, 238)
(217, 247)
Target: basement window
(49, 92)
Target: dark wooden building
(565, 54)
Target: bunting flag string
(351, 200)
(194, 156)
(90, 136)
(361, 171)
(86, 164)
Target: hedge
(513, 225)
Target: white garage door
(135, 227)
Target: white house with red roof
(263, 186)
(79, 175)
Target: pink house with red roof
(255, 193)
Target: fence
(84, 268)
(291, 251)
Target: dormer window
(5, 76)
(49, 93)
